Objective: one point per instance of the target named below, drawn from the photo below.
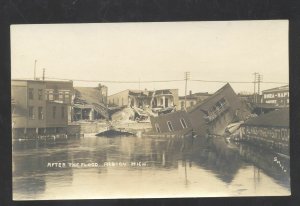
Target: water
(137, 167)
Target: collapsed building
(211, 116)
(145, 103)
(90, 103)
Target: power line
(115, 81)
(238, 82)
(162, 81)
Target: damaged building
(146, 103)
(144, 98)
(211, 116)
(90, 103)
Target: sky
(227, 51)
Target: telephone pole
(34, 74)
(257, 80)
(186, 78)
(44, 74)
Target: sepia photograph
(150, 110)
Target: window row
(49, 95)
(170, 125)
(40, 112)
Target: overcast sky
(225, 51)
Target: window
(40, 94)
(67, 96)
(62, 112)
(60, 96)
(55, 95)
(183, 124)
(30, 93)
(170, 126)
(31, 112)
(157, 127)
(40, 113)
(50, 96)
(54, 112)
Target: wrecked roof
(277, 118)
(141, 93)
(89, 95)
(164, 91)
(211, 100)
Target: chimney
(190, 93)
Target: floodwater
(142, 167)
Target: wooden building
(211, 116)
(271, 130)
(171, 122)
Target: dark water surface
(135, 167)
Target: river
(142, 167)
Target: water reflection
(168, 161)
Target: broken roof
(163, 91)
(139, 93)
(89, 94)
(207, 103)
(277, 118)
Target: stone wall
(85, 128)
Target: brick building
(40, 107)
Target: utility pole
(186, 78)
(259, 80)
(34, 74)
(254, 95)
(44, 74)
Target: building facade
(60, 92)
(192, 99)
(144, 98)
(278, 96)
(171, 122)
(35, 111)
(212, 115)
(269, 130)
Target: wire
(215, 81)
(156, 81)
(114, 81)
